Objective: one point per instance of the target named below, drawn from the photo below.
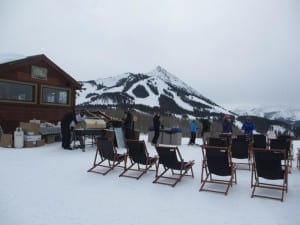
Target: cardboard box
(50, 138)
(32, 144)
(29, 144)
(32, 137)
(40, 143)
(6, 141)
(30, 127)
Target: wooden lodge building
(34, 88)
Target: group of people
(205, 132)
(193, 128)
(248, 128)
(70, 119)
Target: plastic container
(19, 138)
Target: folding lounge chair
(284, 144)
(244, 137)
(217, 163)
(289, 142)
(286, 137)
(267, 171)
(290, 146)
(217, 141)
(280, 144)
(106, 157)
(240, 150)
(139, 159)
(171, 159)
(227, 136)
(259, 141)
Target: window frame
(17, 101)
(68, 91)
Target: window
(17, 91)
(51, 95)
(39, 72)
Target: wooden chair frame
(216, 165)
(106, 157)
(269, 165)
(171, 160)
(137, 159)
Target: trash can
(175, 136)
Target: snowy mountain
(155, 88)
(278, 112)
(161, 88)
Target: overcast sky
(235, 52)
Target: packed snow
(48, 185)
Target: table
(83, 133)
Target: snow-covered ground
(48, 185)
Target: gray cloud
(234, 52)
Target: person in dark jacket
(205, 133)
(128, 125)
(156, 125)
(205, 126)
(66, 129)
(226, 125)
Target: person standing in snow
(193, 130)
(205, 133)
(156, 125)
(80, 117)
(226, 125)
(66, 129)
(128, 124)
(248, 126)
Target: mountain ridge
(155, 88)
(161, 88)
(271, 112)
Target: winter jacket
(193, 127)
(248, 127)
(156, 122)
(227, 127)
